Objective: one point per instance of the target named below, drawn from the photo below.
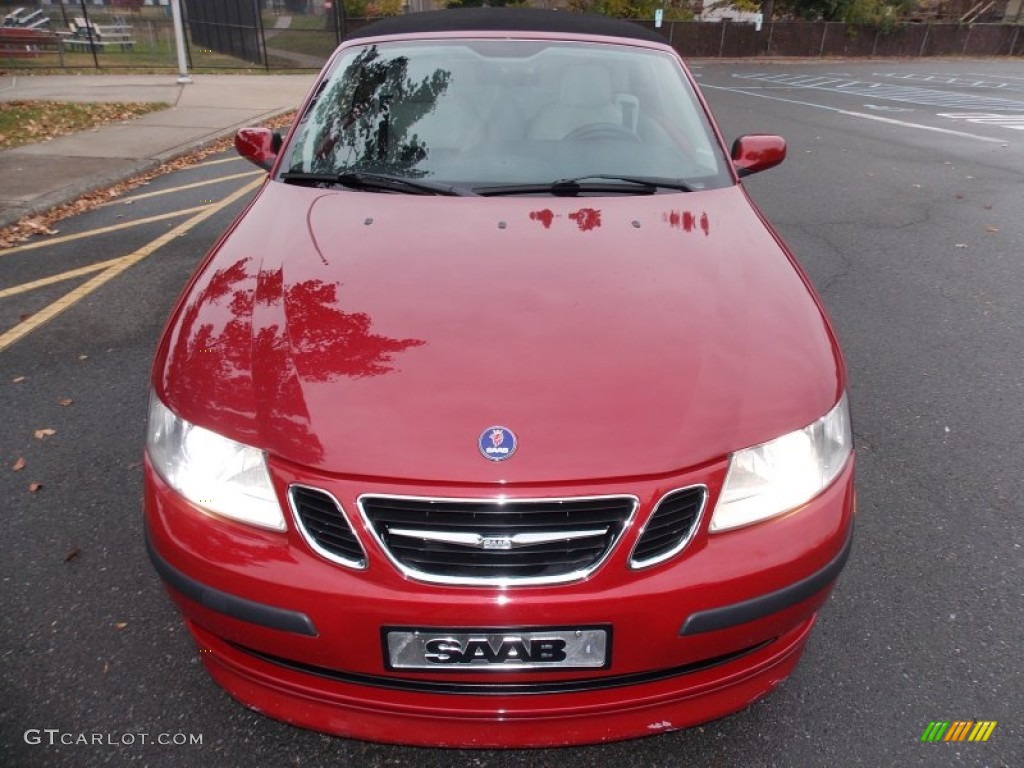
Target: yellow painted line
(73, 297)
(235, 159)
(71, 274)
(101, 230)
(193, 185)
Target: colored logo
(498, 443)
(958, 730)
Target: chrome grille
(325, 527)
(487, 541)
(670, 527)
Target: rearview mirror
(258, 145)
(757, 152)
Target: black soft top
(507, 20)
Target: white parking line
(1016, 122)
(1003, 77)
(862, 115)
(906, 94)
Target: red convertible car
(500, 417)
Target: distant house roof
(507, 20)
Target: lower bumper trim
(230, 605)
(765, 605)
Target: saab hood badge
(498, 443)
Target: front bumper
(695, 638)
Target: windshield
(487, 113)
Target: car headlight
(211, 471)
(773, 478)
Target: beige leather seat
(586, 98)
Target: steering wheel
(592, 131)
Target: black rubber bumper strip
(765, 605)
(230, 605)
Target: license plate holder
(497, 649)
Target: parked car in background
(500, 417)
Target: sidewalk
(37, 177)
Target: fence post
(874, 45)
(821, 48)
(924, 40)
(771, 31)
(88, 29)
(262, 35)
(967, 39)
(721, 42)
(1013, 43)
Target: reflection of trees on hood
(366, 121)
(248, 343)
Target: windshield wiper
(381, 182)
(629, 185)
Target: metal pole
(1013, 43)
(188, 45)
(721, 43)
(924, 40)
(967, 39)
(821, 48)
(179, 43)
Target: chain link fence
(276, 35)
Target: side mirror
(258, 145)
(757, 152)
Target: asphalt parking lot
(902, 197)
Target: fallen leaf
(83, 357)
(120, 624)
(42, 229)
(19, 464)
(65, 401)
(17, 379)
(44, 433)
(991, 229)
(33, 487)
(106, 667)
(72, 555)
(961, 245)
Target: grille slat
(325, 526)
(546, 562)
(670, 527)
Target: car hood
(381, 334)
